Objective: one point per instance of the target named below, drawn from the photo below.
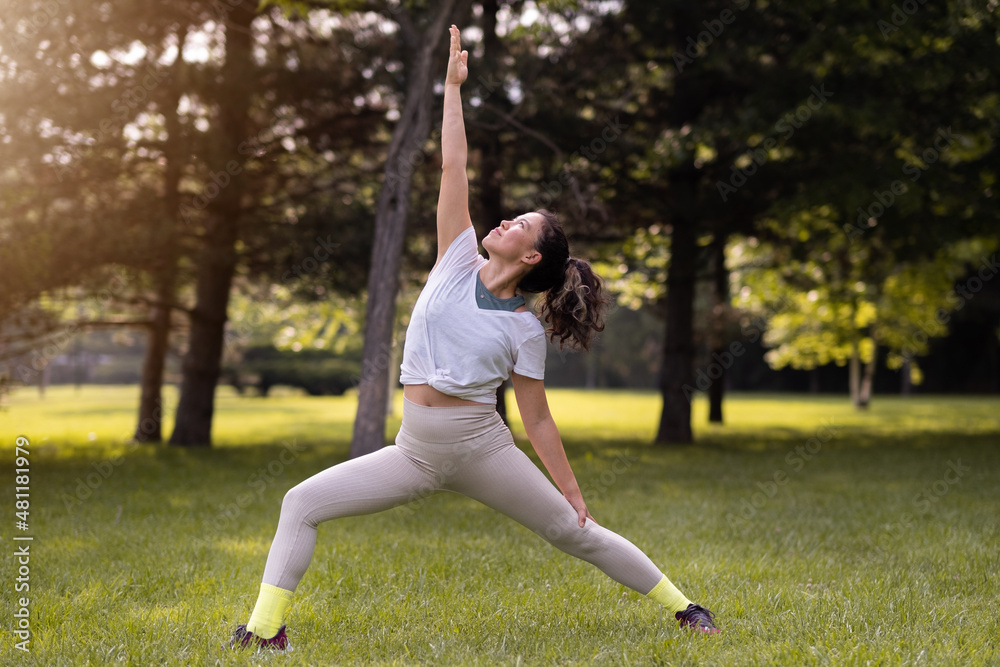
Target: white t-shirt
(460, 349)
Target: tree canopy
(223, 175)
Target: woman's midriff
(426, 395)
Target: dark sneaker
(244, 639)
(697, 618)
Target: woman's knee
(296, 500)
(567, 535)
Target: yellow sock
(667, 594)
(269, 612)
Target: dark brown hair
(574, 303)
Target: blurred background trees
(193, 192)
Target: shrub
(317, 372)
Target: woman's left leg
(506, 480)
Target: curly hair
(573, 304)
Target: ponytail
(575, 309)
(574, 303)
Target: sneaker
(244, 639)
(697, 618)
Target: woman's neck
(500, 280)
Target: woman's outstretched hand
(458, 60)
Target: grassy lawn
(818, 535)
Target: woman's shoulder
(529, 323)
(462, 254)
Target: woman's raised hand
(458, 69)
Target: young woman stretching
(469, 331)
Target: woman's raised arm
(453, 200)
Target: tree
(78, 173)
(217, 259)
(140, 188)
(405, 152)
(837, 302)
(749, 109)
(294, 195)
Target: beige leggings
(467, 450)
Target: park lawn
(819, 536)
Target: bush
(317, 372)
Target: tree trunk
(490, 149)
(149, 424)
(217, 261)
(405, 153)
(906, 381)
(678, 345)
(717, 340)
(43, 379)
(202, 363)
(681, 197)
(865, 390)
(854, 375)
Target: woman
(469, 331)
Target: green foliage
(273, 315)
(828, 297)
(636, 270)
(612, 113)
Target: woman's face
(515, 239)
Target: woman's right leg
(368, 484)
(365, 485)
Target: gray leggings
(467, 450)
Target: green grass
(819, 535)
